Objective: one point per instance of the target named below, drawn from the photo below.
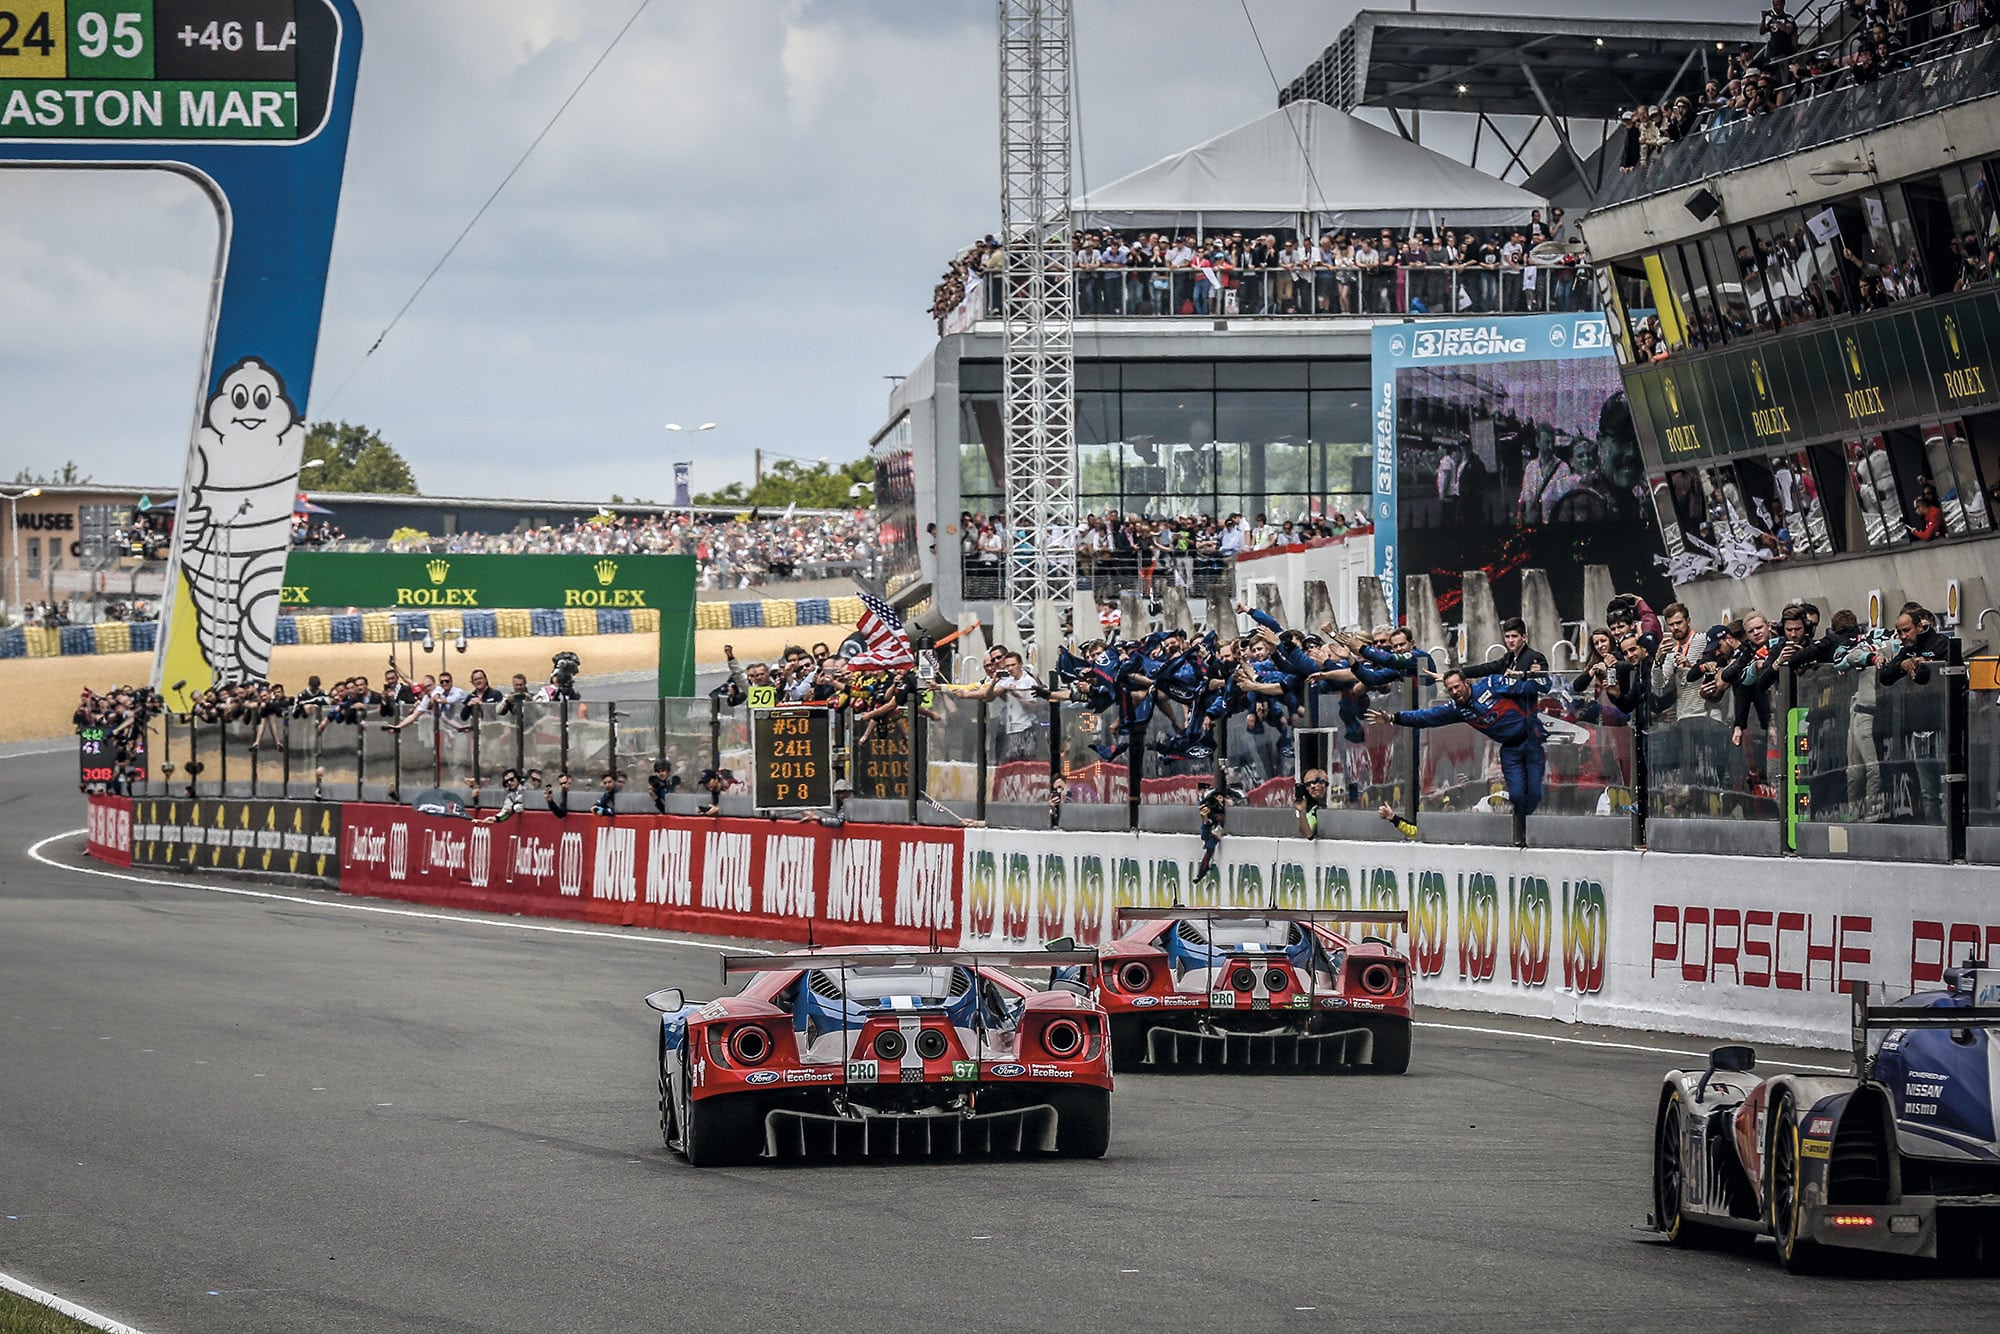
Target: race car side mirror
(669, 1001)
(1733, 1060)
(1061, 943)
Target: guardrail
(1844, 767)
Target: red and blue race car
(885, 1051)
(1258, 989)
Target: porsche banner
(294, 839)
(758, 879)
(1710, 945)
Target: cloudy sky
(740, 221)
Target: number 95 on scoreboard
(791, 753)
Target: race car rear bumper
(790, 1133)
(1910, 1226)
(1278, 1050)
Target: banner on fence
(1620, 938)
(280, 838)
(759, 879)
(108, 831)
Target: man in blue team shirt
(1502, 707)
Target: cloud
(739, 220)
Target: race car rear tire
(723, 1131)
(1392, 1046)
(1798, 1253)
(1668, 1174)
(1083, 1121)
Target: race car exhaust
(801, 1135)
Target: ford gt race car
(883, 1051)
(1259, 989)
(1898, 1157)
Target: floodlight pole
(1037, 307)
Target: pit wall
(1732, 947)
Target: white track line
(1608, 1046)
(640, 934)
(70, 1309)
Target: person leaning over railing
(1920, 711)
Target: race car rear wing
(835, 960)
(1188, 914)
(1867, 1017)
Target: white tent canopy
(1257, 175)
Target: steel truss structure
(1038, 304)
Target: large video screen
(1505, 445)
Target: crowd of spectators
(1882, 36)
(732, 552)
(1440, 270)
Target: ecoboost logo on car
(761, 1077)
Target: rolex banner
(277, 838)
(474, 587)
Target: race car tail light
(889, 1045)
(1379, 979)
(1852, 1220)
(1277, 979)
(749, 1045)
(1062, 1038)
(1135, 976)
(931, 1044)
(1243, 979)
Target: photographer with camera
(663, 782)
(517, 695)
(1308, 800)
(563, 669)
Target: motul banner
(761, 879)
(108, 837)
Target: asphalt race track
(226, 1112)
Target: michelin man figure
(236, 531)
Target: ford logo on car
(1007, 1071)
(761, 1077)
(1142, 1002)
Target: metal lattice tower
(1038, 304)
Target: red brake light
(1852, 1220)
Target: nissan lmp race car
(1899, 1157)
(883, 1051)
(1258, 989)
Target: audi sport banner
(1711, 945)
(268, 838)
(108, 836)
(761, 879)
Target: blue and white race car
(1901, 1157)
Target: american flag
(888, 643)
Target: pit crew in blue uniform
(1504, 709)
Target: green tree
(809, 486)
(67, 475)
(356, 459)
